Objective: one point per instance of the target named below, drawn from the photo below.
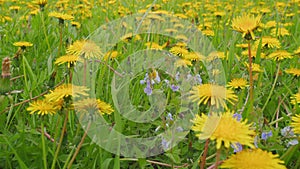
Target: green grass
(33, 74)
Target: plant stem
(272, 89)
(217, 158)
(60, 140)
(203, 158)
(60, 38)
(79, 145)
(44, 145)
(250, 76)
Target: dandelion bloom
(67, 90)
(86, 48)
(44, 107)
(297, 51)
(182, 63)
(268, 42)
(22, 44)
(237, 83)
(279, 32)
(253, 159)
(280, 55)
(293, 71)
(213, 94)
(153, 45)
(111, 55)
(295, 98)
(223, 128)
(215, 55)
(255, 67)
(61, 16)
(179, 51)
(296, 123)
(91, 105)
(246, 24)
(70, 59)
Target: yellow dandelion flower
(179, 51)
(223, 128)
(296, 123)
(61, 16)
(270, 24)
(246, 24)
(16, 8)
(293, 71)
(41, 3)
(253, 159)
(70, 59)
(255, 67)
(279, 32)
(268, 42)
(253, 53)
(183, 63)
(153, 45)
(297, 51)
(75, 48)
(129, 36)
(194, 56)
(91, 105)
(208, 32)
(212, 94)
(244, 45)
(44, 107)
(66, 90)
(280, 55)
(295, 99)
(111, 54)
(23, 44)
(180, 15)
(171, 30)
(237, 83)
(76, 24)
(215, 55)
(181, 38)
(85, 48)
(91, 50)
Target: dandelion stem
(203, 158)
(79, 145)
(217, 158)
(44, 146)
(272, 89)
(60, 38)
(250, 76)
(60, 140)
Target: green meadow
(149, 84)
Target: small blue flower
(165, 144)
(198, 78)
(266, 135)
(177, 76)
(237, 147)
(142, 81)
(255, 141)
(170, 117)
(237, 116)
(174, 88)
(287, 132)
(148, 89)
(292, 142)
